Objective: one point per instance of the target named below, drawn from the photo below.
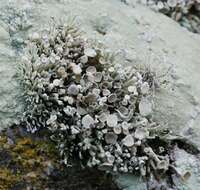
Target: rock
(4, 35)
(102, 24)
(145, 107)
(140, 36)
(188, 167)
(9, 86)
(165, 49)
(128, 182)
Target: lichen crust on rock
(96, 109)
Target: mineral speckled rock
(173, 103)
(145, 107)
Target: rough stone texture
(9, 87)
(138, 34)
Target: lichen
(95, 109)
(185, 12)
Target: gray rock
(140, 36)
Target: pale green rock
(139, 35)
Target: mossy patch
(32, 162)
(28, 159)
(7, 178)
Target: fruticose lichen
(95, 108)
(185, 12)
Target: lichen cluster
(186, 12)
(96, 109)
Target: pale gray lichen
(93, 107)
(185, 12)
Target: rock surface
(9, 88)
(139, 35)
